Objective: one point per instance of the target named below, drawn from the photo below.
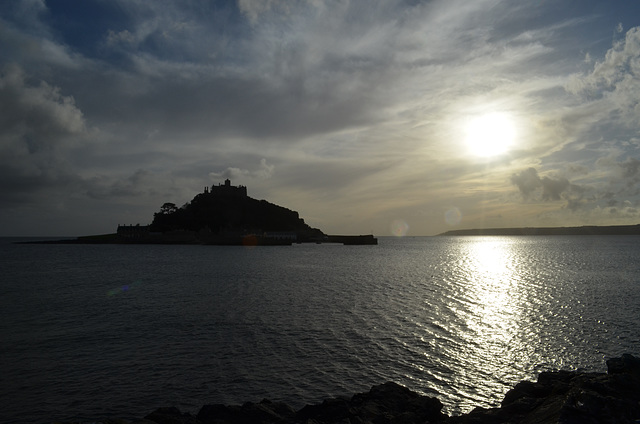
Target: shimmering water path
(94, 331)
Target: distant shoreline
(588, 230)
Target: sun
(489, 135)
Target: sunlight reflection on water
(495, 318)
(522, 312)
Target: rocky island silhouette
(223, 214)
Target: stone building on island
(227, 189)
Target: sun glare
(490, 135)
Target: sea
(89, 332)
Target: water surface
(90, 331)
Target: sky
(396, 117)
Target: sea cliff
(556, 397)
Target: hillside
(227, 210)
(549, 231)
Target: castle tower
(227, 189)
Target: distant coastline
(587, 230)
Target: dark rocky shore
(565, 397)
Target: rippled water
(117, 330)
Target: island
(587, 230)
(223, 214)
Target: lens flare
(453, 216)
(399, 228)
(249, 241)
(122, 289)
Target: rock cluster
(570, 397)
(565, 397)
(386, 403)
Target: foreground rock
(570, 397)
(565, 397)
(387, 403)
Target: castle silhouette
(227, 190)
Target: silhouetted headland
(222, 214)
(570, 397)
(611, 230)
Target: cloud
(42, 134)
(612, 182)
(623, 177)
(37, 124)
(137, 184)
(527, 181)
(595, 141)
(357, 104)
(326, 69)
(125, 37)
(29, 42)
(536, 188)
(27, 13)
(552, 189)
(253, 9)
(615, 79)
(631, 169)
(264, 172)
